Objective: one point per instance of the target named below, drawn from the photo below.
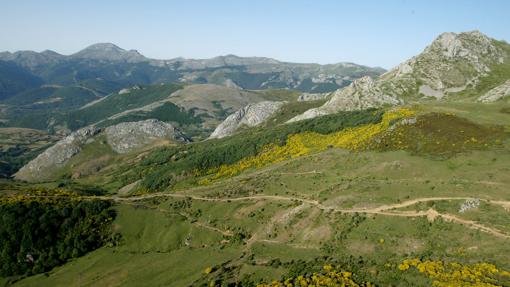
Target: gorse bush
(453, 274)
(299, 144)
(161, 166)
(329, 277)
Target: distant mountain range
(101, 64)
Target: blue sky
(373, 32)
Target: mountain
(109, 52)
(35, 85)
(383, 185)
(107, 61)
(31, 59)
(452, 67)
(14, 80)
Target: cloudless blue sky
(373, 32)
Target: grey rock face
(125, 137)
(497, 93)
(122, 138)
(57, 155)
(308, 97)
(251, 115)
(452, 63)
(360, 95)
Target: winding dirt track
(387, 210)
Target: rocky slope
(121, 138)
(57, 155)
(307, 97)
(129, 136)
(497, 93)
(249, 116)
(360, 95)
(450, 64)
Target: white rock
(307, 97)
(362, 94)
(496, 93)
(56, 155)
(125, 137)
(250, 116)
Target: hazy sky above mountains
(375, 33)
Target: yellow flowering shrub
(453, 274)
(39, 195)
(329, 277)
(301, 144)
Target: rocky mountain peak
(469, 45)
(109, 52)
(452, 63)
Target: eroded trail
(386, 210)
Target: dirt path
(387, 210)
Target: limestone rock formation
(250, 116)
(127, 136)
(122, 138)
(308, 97)
(450, 64)
(497, 93)
(360, 95)
(57, 155)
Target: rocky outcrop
(496, 94)
(122, 138)
(57, 155)
(360, 95)
(308, 97)
(125, 137)
(450, 64)
(250, 116)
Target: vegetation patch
(116, 103)
(168, 112)
(164, 167)
(39, 234)
(439, 134)
(446, 274)
(329, 276)
(300, 144)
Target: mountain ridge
(451, 64)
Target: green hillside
(401, 180)
(13, 79)
(399, 203)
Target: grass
(171, 241)
(116, 103)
